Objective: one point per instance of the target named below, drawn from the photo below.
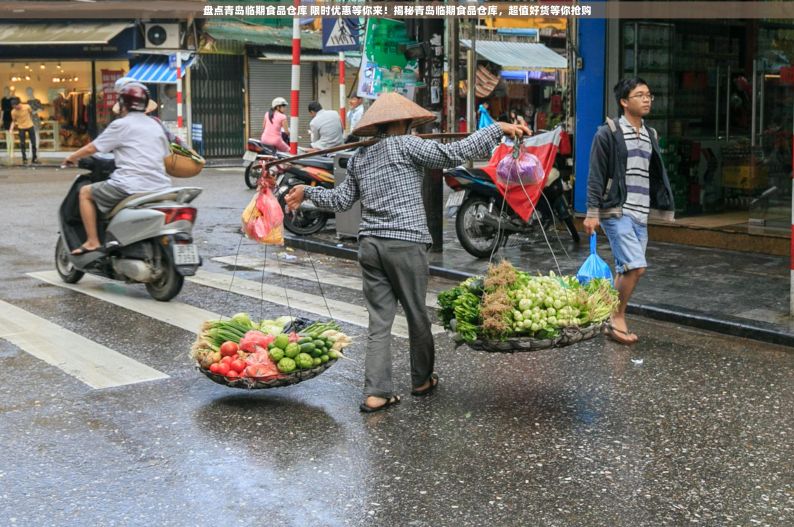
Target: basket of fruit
(510, 311)
(241, 354)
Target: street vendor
(393, 236)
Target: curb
(725, 325)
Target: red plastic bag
(263, 219)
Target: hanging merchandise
(241, 353)
(512, 311)
(263, 218)
(485, 118)
(594, 267)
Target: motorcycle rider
(139, 145)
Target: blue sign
(340, 34)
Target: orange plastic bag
(263, 219)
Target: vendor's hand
(590, 225)
(294, 198)
(516, 131)
(68, 162)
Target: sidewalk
(734, 293)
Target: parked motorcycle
(312, 171)
(480, 205)
(255, 151)
(147, 238)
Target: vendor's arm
(432, 154)
(338, 199)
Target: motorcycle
(485, 220)
(255, 151)
(147, 238)
(313, 171)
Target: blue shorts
(628, 239)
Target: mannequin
(36, 106)
(5, 107)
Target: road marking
(298, 271)
(343, 311)
(190, 318)
(177, 314)
(84, 359)
(228, 169)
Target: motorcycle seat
(317, 162)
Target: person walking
(325, 127)
(22, 119)
(393, 235)
(626, 186)
(275, 130)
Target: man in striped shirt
(626, 185)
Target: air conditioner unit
(162, 35)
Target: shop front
(724, 110)
(66, 72)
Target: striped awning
(518, 55)
(155, 70)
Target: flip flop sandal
(391, 401)
(615, 334)
(80, 251)
(427, 391)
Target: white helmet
(121, 81)
(278, 101)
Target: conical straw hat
(391, 107)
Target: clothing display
(5, 105)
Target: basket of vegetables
(511, 311)
(242, 354)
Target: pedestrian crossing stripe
(91, 363)
(298, 271)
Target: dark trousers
(31, 133)
(395, 270)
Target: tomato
(238, 365)
(229, 348)
(223, 369)
(227, 360)
(214, 367)
(232, 375)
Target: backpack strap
(611, 124)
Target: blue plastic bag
(485, 118)
(594, 266)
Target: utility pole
(453, 52)
(471, 82)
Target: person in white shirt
(356, 111)
(139, 144)
(325, 127)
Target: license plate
(186, 254)
(455, 199)
(249, 156)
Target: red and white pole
(342, 86)
(791, 251)
(179, 94)
(296, 82)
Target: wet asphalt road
(685, 428)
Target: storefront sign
(384, 67)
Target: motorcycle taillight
(251, 147)
(179, 214)
(452, 182)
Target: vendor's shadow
(272, 427)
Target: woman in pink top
(275, 124)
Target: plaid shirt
(387, 178)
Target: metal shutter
(217, 103)
(268, 80)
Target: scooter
(485, 220)
(147, 238)
(317, 171)
(255, 151)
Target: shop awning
(275, 56)
(257, 35)
(22, 34)
(155, 70)
(518, 55)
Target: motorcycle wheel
(170, 282)
(301, 222)
(66, 270)
(252, 173)
(476, 237)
